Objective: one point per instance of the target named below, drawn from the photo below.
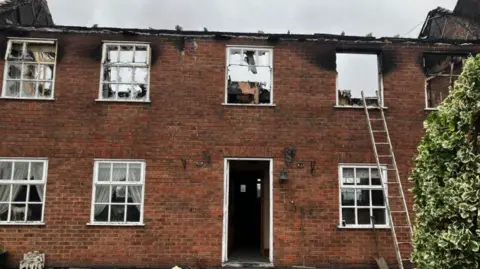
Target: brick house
(148, 148)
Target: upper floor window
(125, 72)
(441, 71)
(30, 69)
(118, 189)
(22, 190)
(357, 72)
(362, 197)
(249, 76)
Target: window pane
(377, 198)
(19, 211)
(40, 52)
(125, 74)
(45, 89)
(124, 91)
(36, 193)
(109, 91)
(135, 170)
(101, 213)
(126, 54)
(133, 213)
(104, 171)
(13, 89)
(110, 74)
(30, 71)
(363, 215)
(140, 91)
(4, 194)
(118, 213)
(119, 172)
(16, 52)
(140, 75)
(263, 58)
(118, 194)
(20, 171)
(36, 171)
(348, 215)
(35, 212)
(362, 176)
(379, 216)
(348, 176)
(19, 193)
(363, 197)
(140, 54)
(14, 71)
(348, 197)
(5, 170)
(102, 194)
(135, 194)
(376, 180)
(29, 89)
(112, 54)
(3, 212)
(45, 72)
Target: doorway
(247, 231)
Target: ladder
(390, 166)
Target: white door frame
(226, 172)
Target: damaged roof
(25, 12)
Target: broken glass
(40, 52)
(112, 54)
(140, 54)
(29, 89)
(30, 71)
(108, 91)
(110, 74)
(16, 51)
(124, 91)
(13, 89)
(140, 92)
(140, 75)
(126, 54)
(45, 89)
(125, 74)
(14, 71)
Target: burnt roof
(469, 9)
(25, 12)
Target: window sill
(12, 223)
(362, 227)
(431, 109)
(359, 107)
(122, 101)
(253, 105)
(117, 224)
(27, 98)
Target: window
(118, 192)
(249, 76)
(357, 72)
(441, 71)
(22, 190)
(361, 197)
(125, 72)
(30, 69)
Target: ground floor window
(361, 196)
(118, 192)
(22, 190)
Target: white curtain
(20, 173)
(37, 174)
(136, 192)
(102, 192)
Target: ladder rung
(391, 182)
(379, 131)
(385, 156)
(376, 119)
(381, 143)
(394, 196)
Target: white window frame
(380, 79)
(133, 65)
(97, 162)
(21, 79)
(227, 63)
(363, 187)
(26, 182)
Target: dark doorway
(248, 211)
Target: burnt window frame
(426, 75)
(107, 43)
(378, 53)
(22, 62)
(270, 49)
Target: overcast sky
(355, 17)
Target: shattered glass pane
(140, 75)
(45, 72)
(263, 58)
(110, 74)
(45, 89)
(16, 51)
(126, 54)
(14, 71)
(124, 91)
(29, 89)
(140, 92)
(249, 57)
(437, 90)
(112, 54)
(30, 71)
(108, 91)
(436, 64)
(126, 74)
(40, 52)
(13, 89)
(140, 54)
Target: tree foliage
(446, 177)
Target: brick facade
(184, 207)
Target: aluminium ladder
(390, 166)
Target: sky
(354, 17)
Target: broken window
(441, 71)
(357, 72)
(125, 72)
(249, 76)
(30, 69)
(118, 192)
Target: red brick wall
(184, 208)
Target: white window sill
(4, 223)
(363, 227)
(27, 98)
(360, 107)
(115, 224)
(267, 105)
(122, 101)
(431, 109)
